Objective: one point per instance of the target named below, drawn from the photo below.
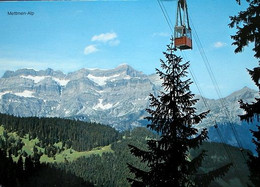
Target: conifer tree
(19, 168)
(248, 31)
(173, 116)
(247, 24)
(252, 113)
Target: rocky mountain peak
(9, 74)
(128, 70)
(117, 97)
(34, 73)
(245, 93)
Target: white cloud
(90, 49)
(114, 42)
(109, 38)
(219, 44)
(104, 37)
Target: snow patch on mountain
(37, 79)
(3, 93)
(93, 95)
(102, 106)
(62, 82)
(101, 80)
(25, 93)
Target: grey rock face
(225, 110)
(117, 97)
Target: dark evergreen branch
(204, 180)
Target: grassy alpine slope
(106, 164)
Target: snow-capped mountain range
(117, 97)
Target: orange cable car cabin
(182, 30)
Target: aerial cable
(225, 145)
(222, 140)
(204, 101)
(166, 16)
(168, 20)
(215, 84)
(195, 80)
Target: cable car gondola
(182, 30)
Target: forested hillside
(103, 162)
(78, 135)
(111, 169)
(28, 172)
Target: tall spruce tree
(252, 114)
(247, 24)
(173, 116)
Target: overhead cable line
(195, 81)
(208, 108)
(166, 16)
(222, 140)
(215, 84)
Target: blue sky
(72, 35)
